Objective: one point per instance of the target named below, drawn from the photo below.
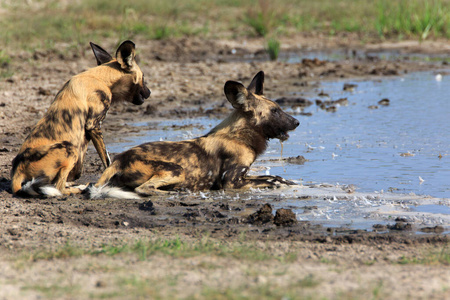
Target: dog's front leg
(96, 136)
(269, 181)
(236, 178)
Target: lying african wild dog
(53, 152)
(218, 160)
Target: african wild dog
(218, 160)
(53, 152)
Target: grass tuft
(265, 17)
(419, 18)
(273, 48)
(441, 257)
(5, 61)
(66, 251)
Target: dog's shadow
(5, 185)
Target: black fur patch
(29, 155)
(66, 116)
(127, 178)
(57, 164)
(127, 158)
(45, 130)
(103, 97)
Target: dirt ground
(186, 77)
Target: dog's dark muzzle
(141, 96)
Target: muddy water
(403, 148)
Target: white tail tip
(33, 188)
(106, 191)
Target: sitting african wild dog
(53, 152)
(218, 160)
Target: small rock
(298, 160)
(285, 217)
(379, 227)
(311, 63)
(262, 216)
(150, 109)
(100, 284)
(402, 226)
(349, 87)
(341, 101)
(435, 229)
(171, 98)
(406, 154)
(13, 231)
(323, 94)
(44, 92)
(297, 101)
(147, 206)
(384, 102)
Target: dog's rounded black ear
(126, 54)
(257, 84)
(236, 94)
(101, 55)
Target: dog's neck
(105, 73)
(239, 127)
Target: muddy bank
(186, 78)
(30, 223)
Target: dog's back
(54, 150)
(220, 159)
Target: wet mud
(186, 77)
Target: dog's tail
(102, 189)
(106, 191)
(38, 187)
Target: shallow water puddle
(332, 206)
(432, 208)
(403, 147)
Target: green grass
(120, 280)
(179, 248)
(297, 290)
(69, 26)
(5, 61)
(273, 48)
(440, 257)
(137, 287)
(54, 290)
(413, 18)
(68, 250)
(264, 17)
(143, 250)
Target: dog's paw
(281, 182)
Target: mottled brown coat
(218, 160)
(54, 150)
